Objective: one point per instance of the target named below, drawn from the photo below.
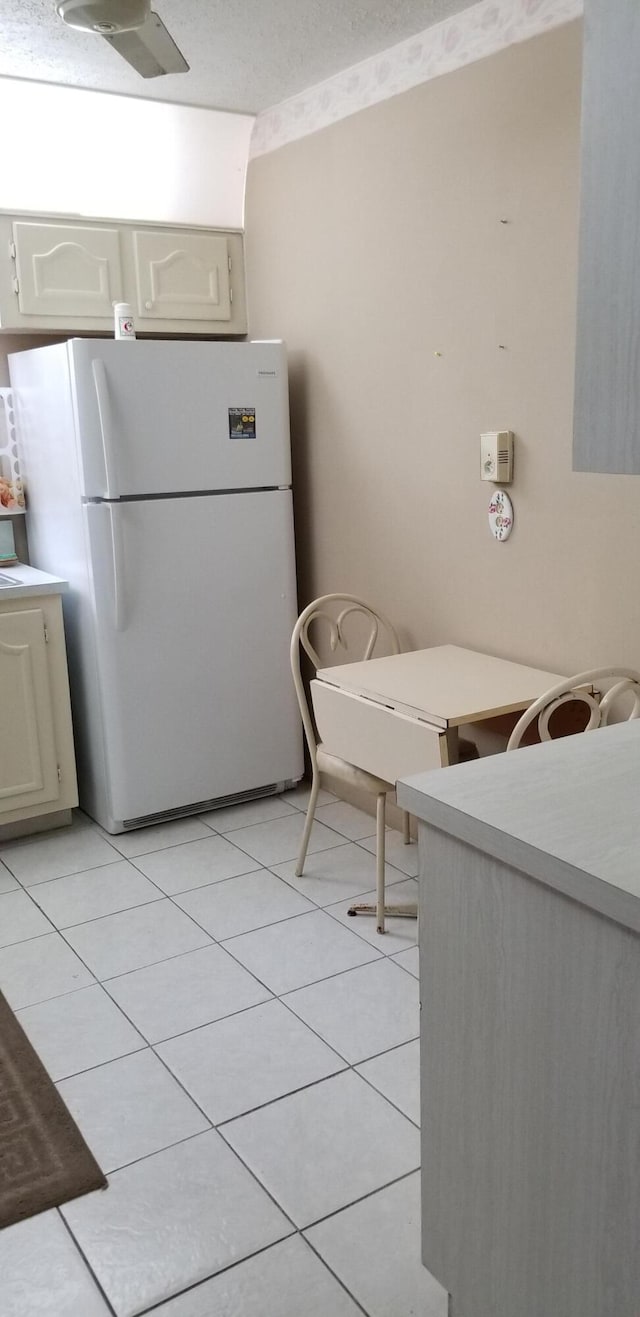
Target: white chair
(584, 689)
(332, 611)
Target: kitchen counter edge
(533, 809)
(29, 581)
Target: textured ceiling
(244, 55)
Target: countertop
(566, 813)
(28, 581)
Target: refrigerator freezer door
(169, 417)
(195, 603)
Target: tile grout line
(165, 896)
(85, 1258)
(277, 818)
(89, 868)
(170, 896)
(224, 944)
(286, 919)
(97, 982)
(260, 868)
(416, 1124)
(159, 1042)
(152, 1047)
(336, 974)
(389, 883)
(296, 1230)
(148, 1312)
(166, 1147)
(91, 825)
(274, 997)
(334, 1274)
(135, 1051)
(300, 1229)
(211, 941)
(148, 1046)
(362, 1199)
(28, 889)
(34, 839)
(131, 860)
(348, 1065)
(280, 998)
(95, 828)
(244, 873)
(188, 1138)
(403, 967)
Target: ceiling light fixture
(131, 28)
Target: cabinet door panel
(67, 270)
(607, 391)
(28, 761)
(182, 276)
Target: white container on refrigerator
(158, 478)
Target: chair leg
(380, 813)
(308, 824)
(380, 910)
(406, 827)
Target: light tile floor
(240, 1055)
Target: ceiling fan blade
(149, 49)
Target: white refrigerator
(158, 482)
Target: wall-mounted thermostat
(496, 456)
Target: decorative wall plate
(501, 515)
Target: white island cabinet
(37, 764)
(530, 1027)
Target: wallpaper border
(486, 28)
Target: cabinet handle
(148, 306)
(101, 384)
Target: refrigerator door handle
(117, 567)
(101, 384)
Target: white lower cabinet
(37, 765)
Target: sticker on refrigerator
(242, 422)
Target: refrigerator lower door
(195, 602)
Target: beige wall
(375, 244)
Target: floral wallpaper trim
(482, 30)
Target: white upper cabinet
(57, 276)
(63, 270)
(182, 276)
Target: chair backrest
(584, 689)
(332, 612)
